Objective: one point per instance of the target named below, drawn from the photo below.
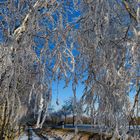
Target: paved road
(98, 129)
(86, 128)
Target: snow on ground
(25, 137)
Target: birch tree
(35, 47)
(109, 56)
(38, 38)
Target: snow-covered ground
(85, 128)
(33, 137)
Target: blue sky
(69, 16)
(64, 93)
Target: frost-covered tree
(36, 43)
(110, 58)
(73, 109)
(38, 38)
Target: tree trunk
(4, 122)
(7, 125)
(19, 128)
(65, 119)
(73, 119)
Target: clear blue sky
(64, 93)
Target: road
(99, 129)
(30, 134)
